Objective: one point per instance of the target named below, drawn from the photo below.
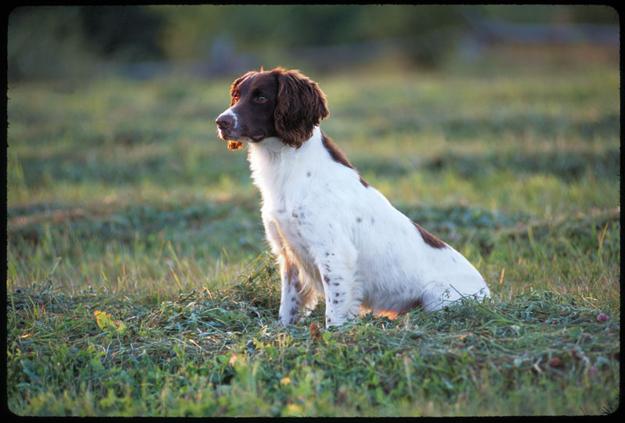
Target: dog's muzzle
(226, 123)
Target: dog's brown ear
(300, 106)
(235, 85)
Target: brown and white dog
(333, 234)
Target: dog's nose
(225, 122)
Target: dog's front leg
(297, 297)
(290, 293)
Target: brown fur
(393, 314)
(235, 85)
(338, 156)
(300, 106)
(297, 105)
(429, 239)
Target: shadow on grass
(236, 225)
(568, 166)
(168, 169)
(537, 123)
(490, 127)
(485, 229)
(219, 225)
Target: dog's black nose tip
(225, 122)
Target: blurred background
(208, 41)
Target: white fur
(336, 238)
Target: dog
(334, 235)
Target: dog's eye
(260, 99)
(235, 97)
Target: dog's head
(276, 103)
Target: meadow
(138, 279)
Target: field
(138, 280)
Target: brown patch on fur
(254, 116)
(234, 87)
(300, 106)
(392, 314)
(338, 155)
(389, 314)
(429, 239)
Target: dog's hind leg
(343, 296)
(438, 295)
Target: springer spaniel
(332, 233)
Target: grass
(204, 354)
(138, 281)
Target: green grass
(122, 200)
